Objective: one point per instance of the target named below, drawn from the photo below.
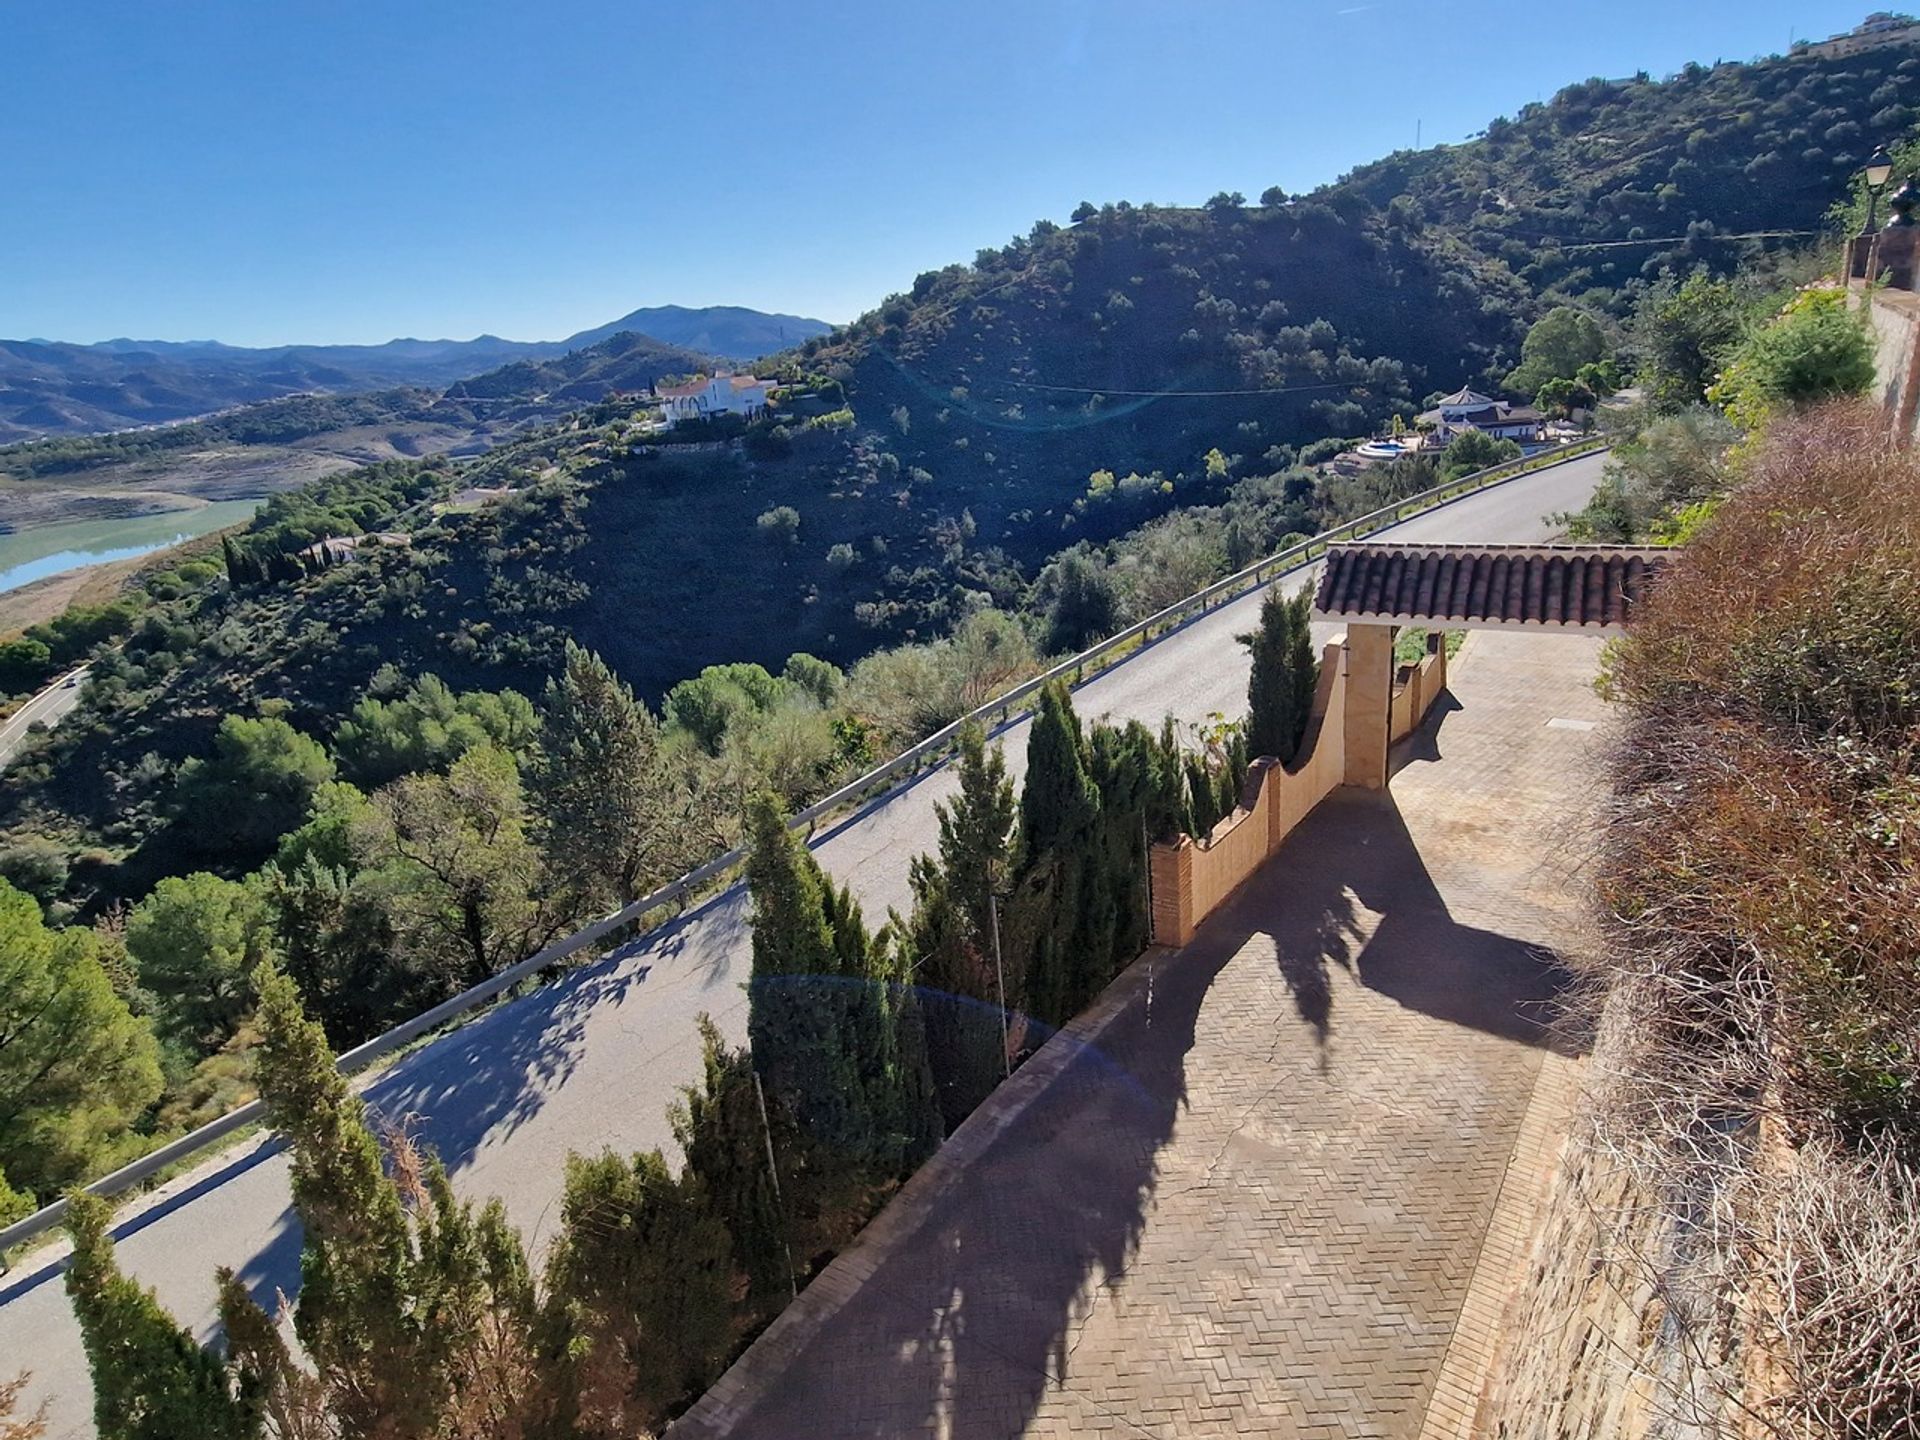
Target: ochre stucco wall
(1191, 880)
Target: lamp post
(1878, 170)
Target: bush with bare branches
(1761, 877)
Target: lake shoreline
(45, 552)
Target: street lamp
(1879, 170)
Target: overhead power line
(1163, 394)
(1659, 239)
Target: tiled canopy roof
(1591, 588)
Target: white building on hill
(709, 395)
(1470, 410)
(1883, 27)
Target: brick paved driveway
(1250, 1202)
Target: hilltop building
(708, 395)
(1883, 27)
(1470, 410)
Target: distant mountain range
(52, 388)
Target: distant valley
(51, 388)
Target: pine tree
(151, 1379)
(604, 787)
(1285, 673)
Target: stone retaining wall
(1895, 319)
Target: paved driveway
(1254, 1194)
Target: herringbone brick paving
(1251, 1201)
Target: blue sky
(269, 171)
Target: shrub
(782, 524)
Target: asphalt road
(593, 1060)
(49, 707)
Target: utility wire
(1165, 394)
(1644, 240)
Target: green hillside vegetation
(1647, 173)
(1144, 338)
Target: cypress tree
(151, 1379)
(1303, 666)
(829, 1021)
(642, 1270)
(391, 1304)
(1285, 673)
(1059, 806)
(1058, 802)
(949, 941)
(793, 1025)
(720, 1131)
(975, 831)
(292, 1401)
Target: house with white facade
(708, 395)
(1470, 410)
(1883, 27)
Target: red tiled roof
(1575, 587)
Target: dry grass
(15, 1426)
(1762, 883)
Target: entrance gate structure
(1362, 705)
(1376, 588)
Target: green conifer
(720, 1129)
(643, 1271)
(392, 1301)
(1058, 803)
(1285, 673)
(151, 1378)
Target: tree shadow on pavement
(968, 1326)
(967, 1329)
(1357, 895)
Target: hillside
(625, 362)
(1614, 181)
(48, 388)
(1141, 336)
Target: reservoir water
(54, 549)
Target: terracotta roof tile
(1577, 587)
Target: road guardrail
(883, 778)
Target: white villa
(1470, 410)
(708, 395)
